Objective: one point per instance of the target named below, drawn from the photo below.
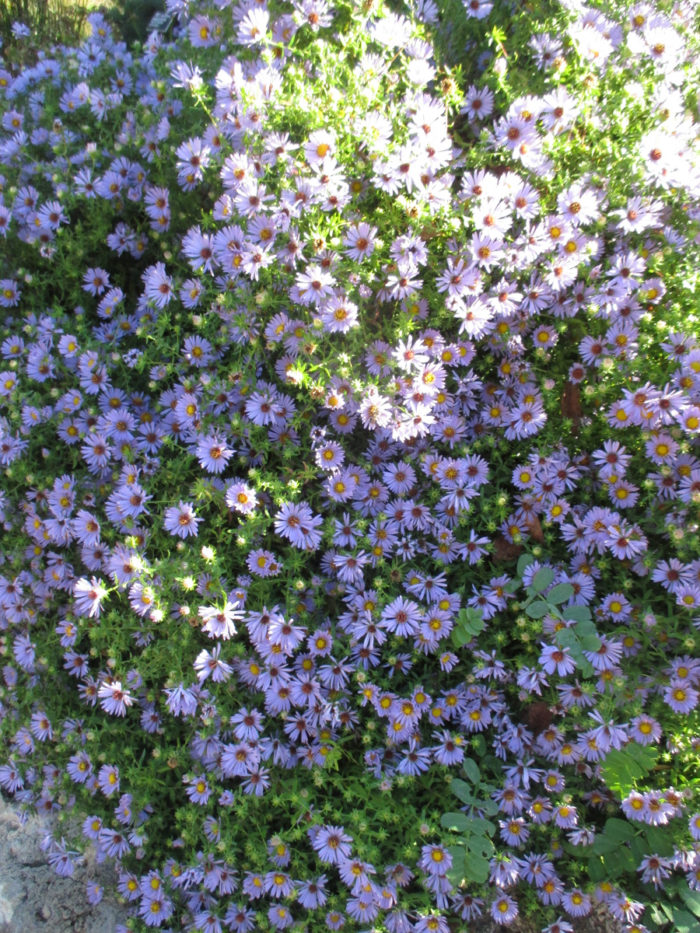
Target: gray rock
(33, 899)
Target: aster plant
(349, 416)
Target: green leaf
(476, 625)
(566, 638)
(657, 841)
(596, 870)
(645, 755)
(577, 613)
(683, 922)
(590, 643)
(471, 614)
(471, 769)
(604, 845)
(490, 807)
(620, 861)
(476, 867)
(586, 627)
(481, 827)
(618, 830)
(623, 768)
(639, 849)
(690, 898)
(542, 579)
(524, 562)
(455, 821)
(460, 637)
(481, 844)
(462, 790)
(657, 915)
(560, 593)
(538, 609)
(456, 872)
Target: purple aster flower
(113, 843)
(213, 453)
(339, 315)
(312, 894)
(158, 286)
(155, 909)
(181, 700)
(108, 779)
(180, 520)
(113, 698)
(504, 910)
(576, 903)
(209, 664)
(680, 697)
(263, 563)
(256, 782)
(332, 844)
(435, 860)
(402, 617)
(247, 724)
(94, 892)
(220, 622)
(297, 523)
(556, 660)
(241, 497)
(89, 596)
(559, 926)
(198, 791)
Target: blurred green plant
(50, 21)
(131, 18)
(65, 22)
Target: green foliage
(132, 18)
(624, 768)
(471, 853)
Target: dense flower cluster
(307, 333)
